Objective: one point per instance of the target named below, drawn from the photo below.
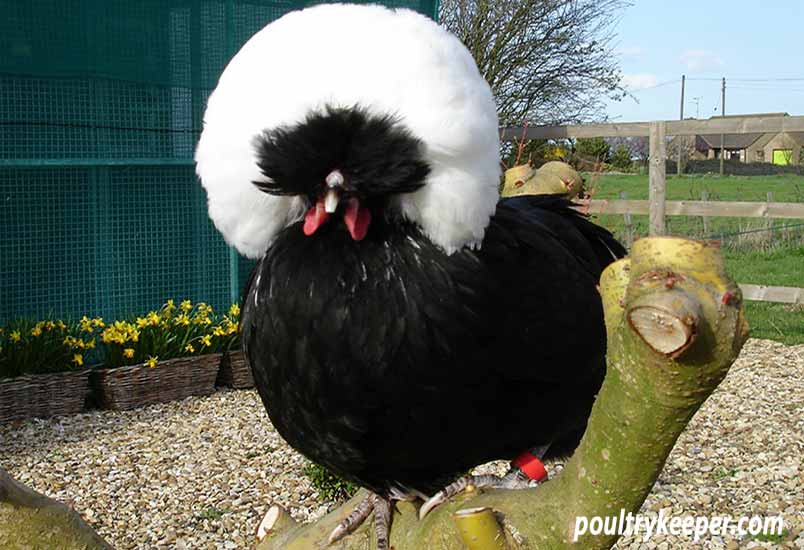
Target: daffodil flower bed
(42, 367)
(181, 344)
(165, 355)
(28, 347)
(185, 330)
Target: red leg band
(531, 466)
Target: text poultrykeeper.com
(694, 527)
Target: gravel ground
(201, 473)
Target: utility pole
(681, 139)
(722, 114)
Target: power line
(659, 85)
(767, 79)
(707, 79)
(754, 89)
(770, 88)
(757, 86)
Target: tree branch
(31, 520)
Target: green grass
(771, 538)
(785, 188)
(758, 257)
(211, 513)
(783, 266)
(329, 485)
(723, 473)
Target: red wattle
(357, 219)
(315, 218)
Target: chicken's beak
(356, 217)
(334, 181)
(331, 199)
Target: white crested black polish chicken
(403, 324)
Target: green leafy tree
(593, 149)
(621, 158)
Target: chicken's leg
(526, 471)
(381, 506)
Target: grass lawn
(785, 188)
(759, 257)
(780, 267)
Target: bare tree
(637, 147)
(547, 61)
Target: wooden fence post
(657, 177)
(704, 198)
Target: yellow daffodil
(182, 319)
(50, 325)
(98, 322)
(90, 344)
(168, 309)
(15, 336)
(202, 320)
(234, 311)
(206, 340)
(37, 331)
(218, 331)
(86, 324)
(61, 325)
(151, 362)
(128, 352)
(142, 322)
(78, 359)
(189, 348)
(186, 305)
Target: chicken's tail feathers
(604, 245)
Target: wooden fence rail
(783, 294)
(657, 207)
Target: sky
(758, 46)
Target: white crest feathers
(387, 61)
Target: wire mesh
(101, 103)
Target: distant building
(776, 148)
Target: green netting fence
(101, 103)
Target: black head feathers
(377, 154)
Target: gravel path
(199, 474)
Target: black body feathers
(394, 364)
